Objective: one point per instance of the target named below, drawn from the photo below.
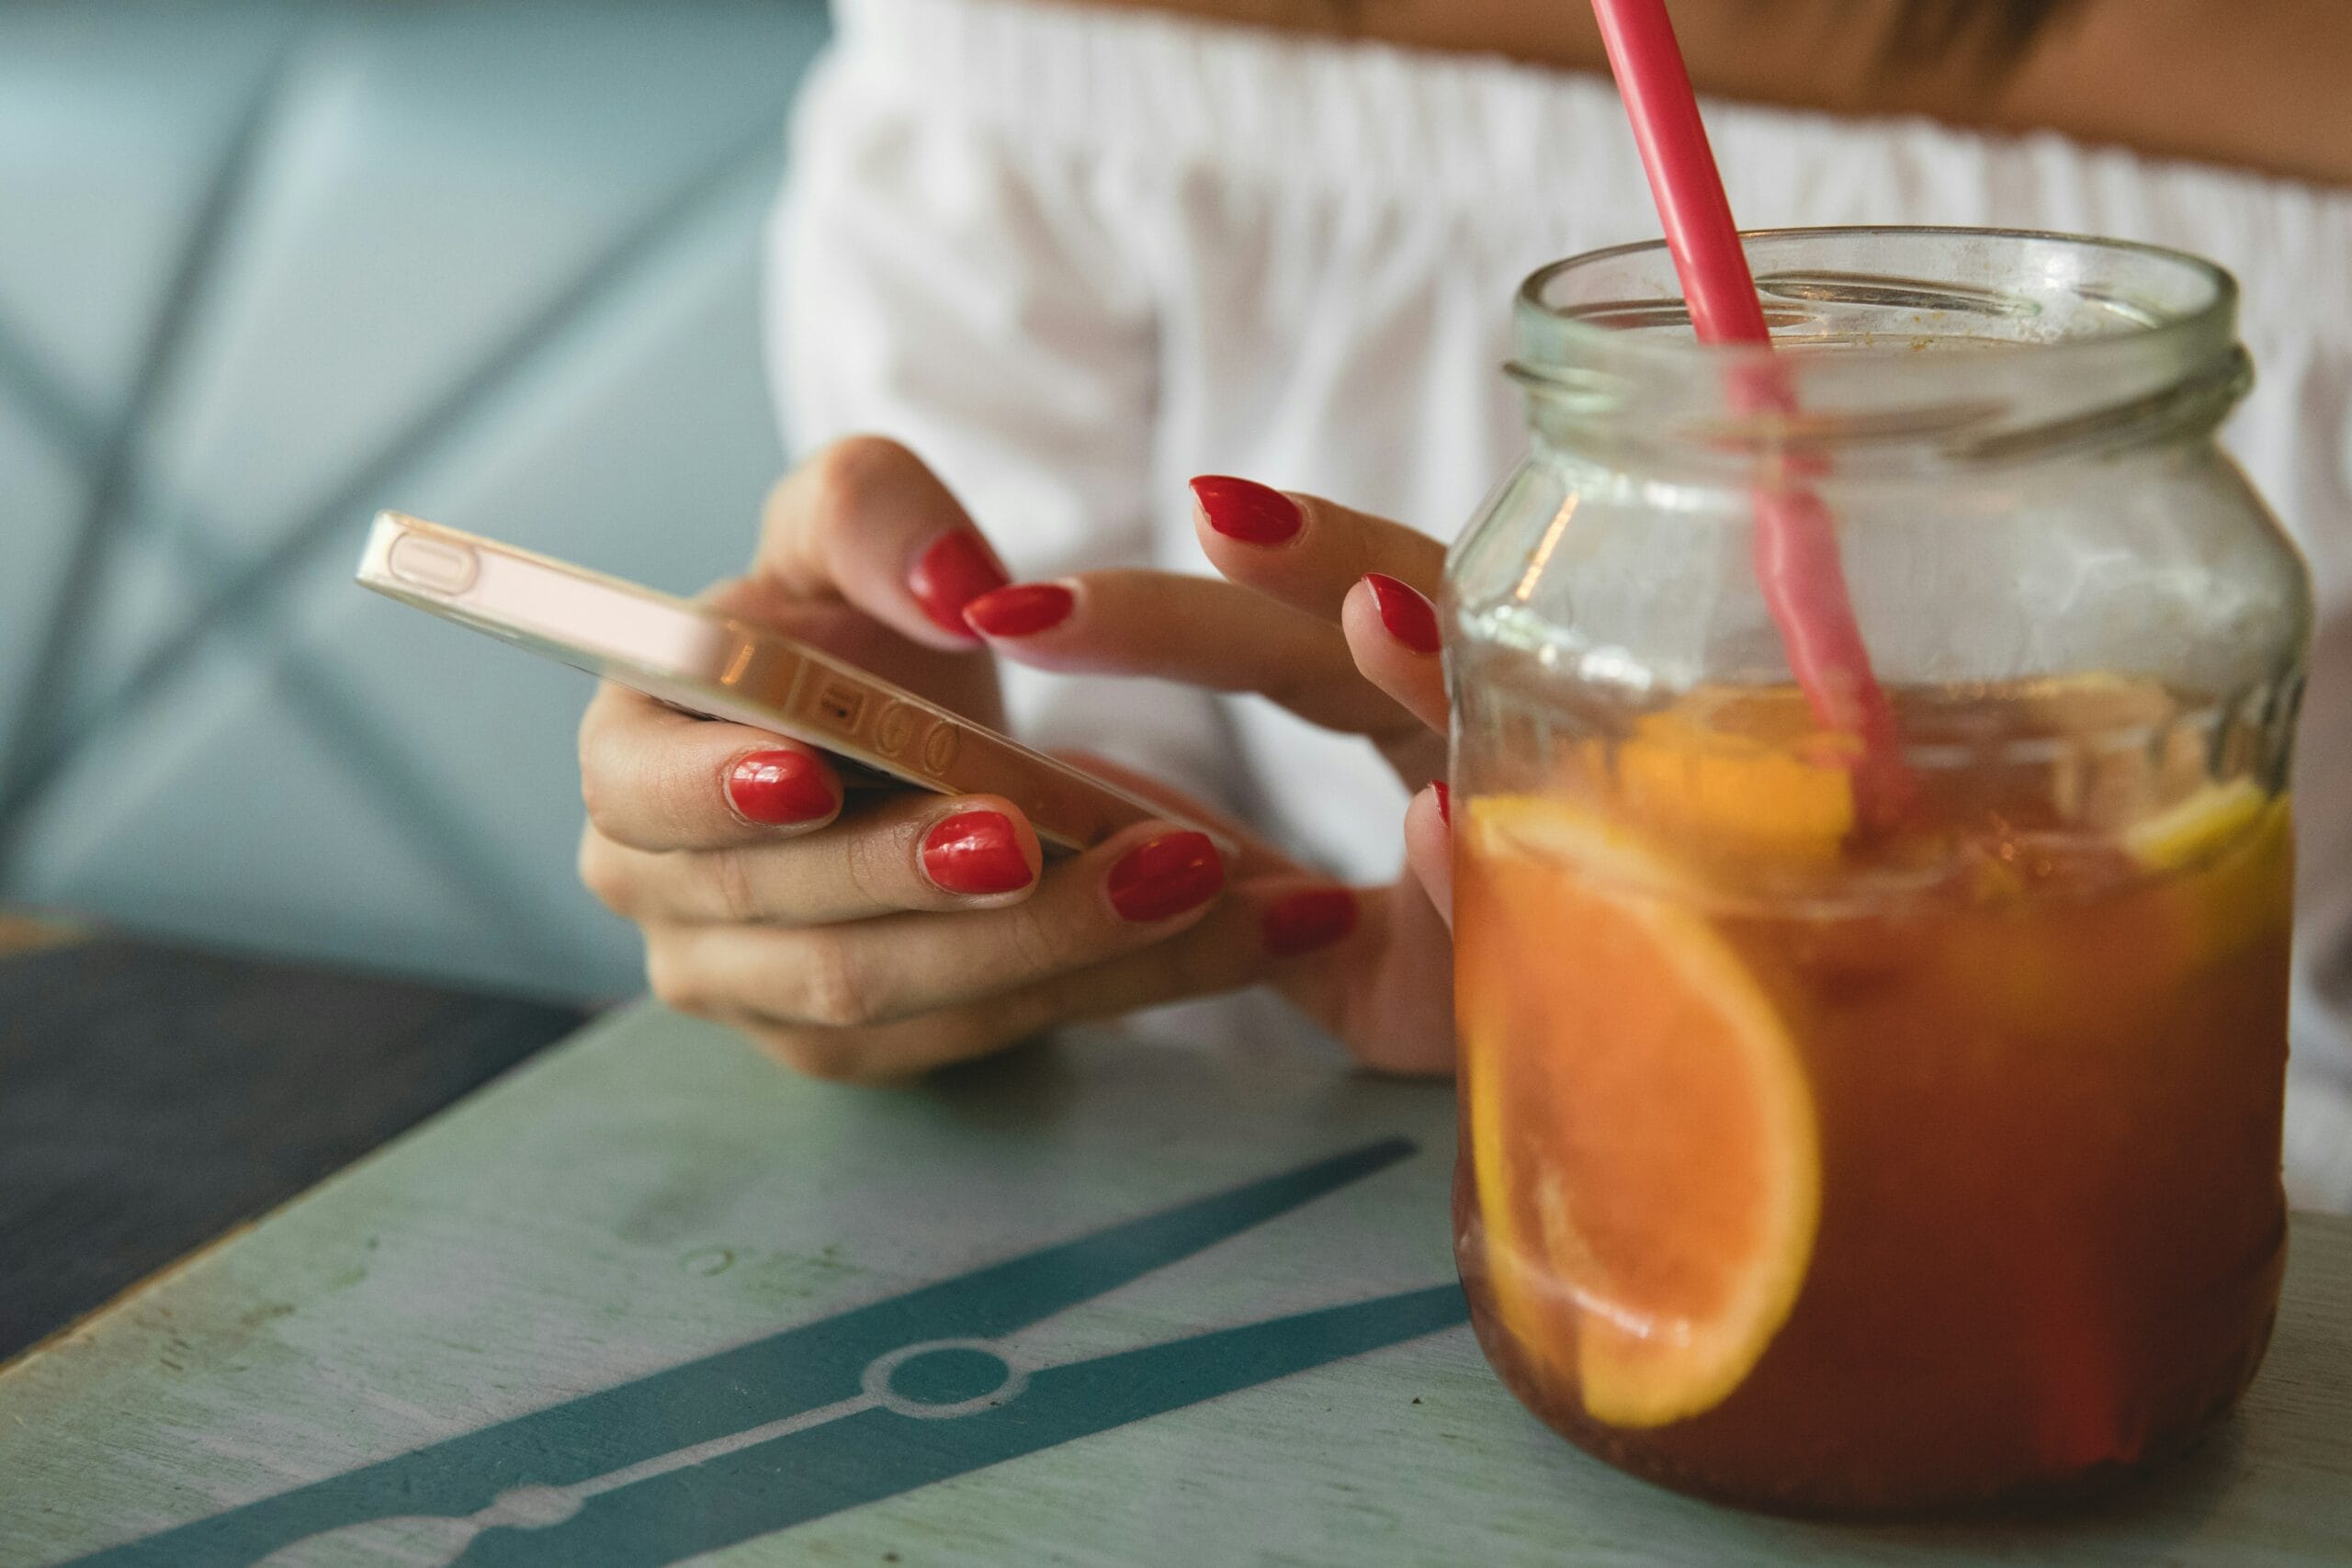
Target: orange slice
(1743, 775)
(1641, 1130)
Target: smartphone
(706, 663)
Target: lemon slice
(2229, 855)
(1643, 1132)
(2195, 827)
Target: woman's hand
(1326, 611)
(875, 935)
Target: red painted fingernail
(1444, 803)
(1247, 510)
(956, 570)
(1304, 921)
(977, 853)
(778, 787)
(1410, 618)
(1165, 876)
(1022, 610)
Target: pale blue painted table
(652, 1297)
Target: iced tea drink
(1906, 1152)
(1824, 1170)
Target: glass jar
(1831, 1160)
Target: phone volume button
(939, 747)
(894, 731)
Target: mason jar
(1861, 1124)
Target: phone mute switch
(433, 565)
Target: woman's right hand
(878, 934)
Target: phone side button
(939, 749)
(894, 731)
(432, 565)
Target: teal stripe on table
(857, 1456)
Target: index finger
(1304, 551)
(865, 520)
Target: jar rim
(2214, 316)
(2062, 333)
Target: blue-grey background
(266, 267)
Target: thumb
(1428, 847)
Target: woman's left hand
(1326, 611)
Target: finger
(1227, 949)
(1397, 1015)
(1428, 847)
(1196, 630)
(1252, 856)
(1391, 634)
(1304, 551)
(1265, 929)
(866, 521)
(1139, 887)
(885, 855)
(654, 778)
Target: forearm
(2256, 83)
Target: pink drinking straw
(1796, 544)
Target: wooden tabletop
(1174, 1294)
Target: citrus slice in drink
(1643, 1132)
(1734, 774)
(2198, 826)
(2229, 850)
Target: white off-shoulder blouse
(1074, 256)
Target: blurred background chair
(268, 268)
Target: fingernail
(1247, 510)
(1304, 921)
(1444, 803)
(778, 787)
(953, 571)
(1409, 616)
(974, 852)
(1022, 610)
(1165, 876)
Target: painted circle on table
(941, 1379)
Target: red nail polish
(1410, 618)
(1022, 610)
(956, 568)
(1304, 921)
(975, 852)
(1247, 510)
(1165, 876)
(780, 787)
(1444, 803)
